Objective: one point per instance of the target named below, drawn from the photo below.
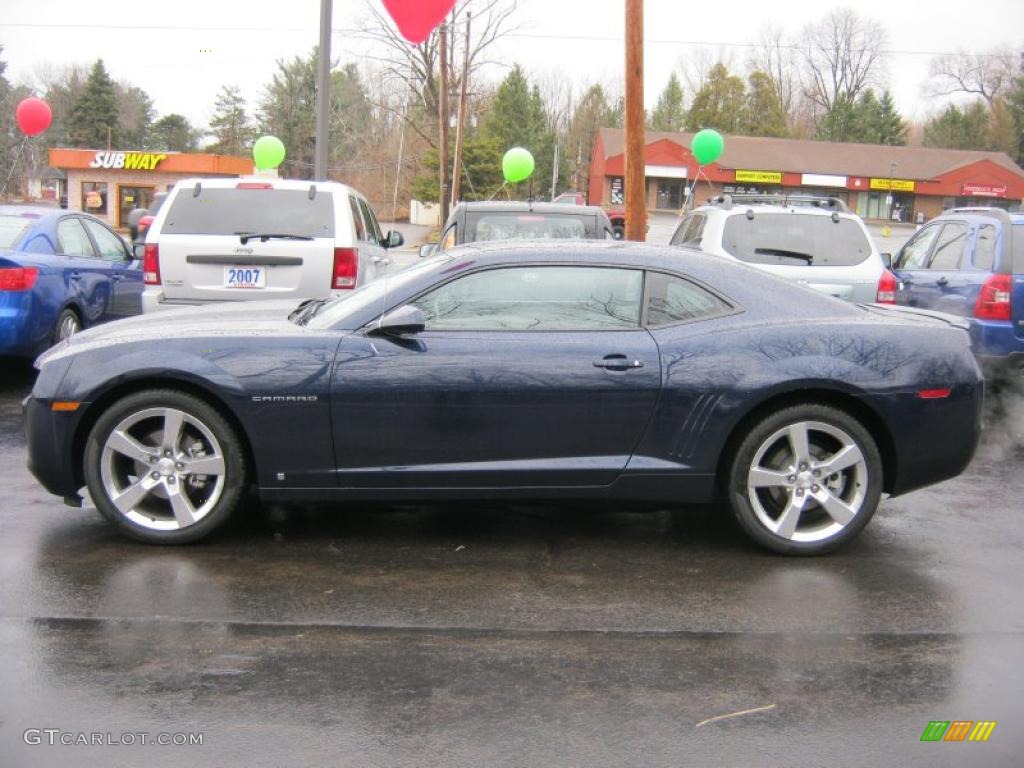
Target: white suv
(230, 239)
(815, 241)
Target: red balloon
(416, 19)
(33, 116)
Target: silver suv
(231, 239)
(816, 241)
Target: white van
(236, 239)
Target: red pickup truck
(617, 216)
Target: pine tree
(592, 112)
(764, 114)
(230, 125)
(94, 115)
(719, 104)
(669, 113)
(892, 129)
(173, 133)
(959, 129)
(288, 111)
(840, 122)
(518, 119)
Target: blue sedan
(60, 272)
(540, 371)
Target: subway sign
(760, 177)
(131, 161)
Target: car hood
(243, 318)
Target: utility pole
(554, 172)
(442, 119)
(460, 129)
(323, 93)
(636, 203)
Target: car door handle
(942, 281)
(76, 275)
(380, 260)
(617, 363)
(117, 277)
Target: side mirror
(404, 319)
(887, 260)
(394, 239)
(428, 249)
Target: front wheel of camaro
(164, 467)
(805, 480)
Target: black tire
(858, 487)
(68, 324)
(212, 495)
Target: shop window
(94, 197)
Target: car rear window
(11, 230)
(508, 226)
(1018, 249)
(230, 211)
(793, 238)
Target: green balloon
(707, 146)
(268, 152)
(517, 165)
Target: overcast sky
(182, 52)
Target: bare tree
(773, 54)
(980, 74)
(416, 66)
(840, 56)
(696, 66)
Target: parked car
(139, 221)
(970, 262)
(474, 222)
(226, 239)
(815, 241)
(566, 370)
(616, 215)
(60, 272)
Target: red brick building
(875, 181)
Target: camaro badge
(284, 398)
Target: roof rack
(985, 210)
(813, 201)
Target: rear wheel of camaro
(164, 467)
(805, 480)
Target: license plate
(245, 277)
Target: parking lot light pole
(892, 185)
(323, 93)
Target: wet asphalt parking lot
(524, 636)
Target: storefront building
(110, 183)
(878, 182)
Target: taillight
(346, 268)
(886, 289)
(18, 278)
(994, 299)
(144, 223)
(151, 264)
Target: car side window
(915, 253)
(689, 230)
(985, 247)
(949, 247)
(448, 239)
(357, 219)
(672, 299)
(372, 228)
(538, 298)
(110, 245)
(73, 240)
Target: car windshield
(371, 293)
(11, 230)
(219, 211)
(528, 226)
(794, 238)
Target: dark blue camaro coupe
(535, 371)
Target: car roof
(740, 208)
(518, 206)
(230, 182)
(31, 211)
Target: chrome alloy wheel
(68, 327)
(162, 469)
(807, 481)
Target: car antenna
(197, 189)
(312, 191)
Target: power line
(524, 35)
